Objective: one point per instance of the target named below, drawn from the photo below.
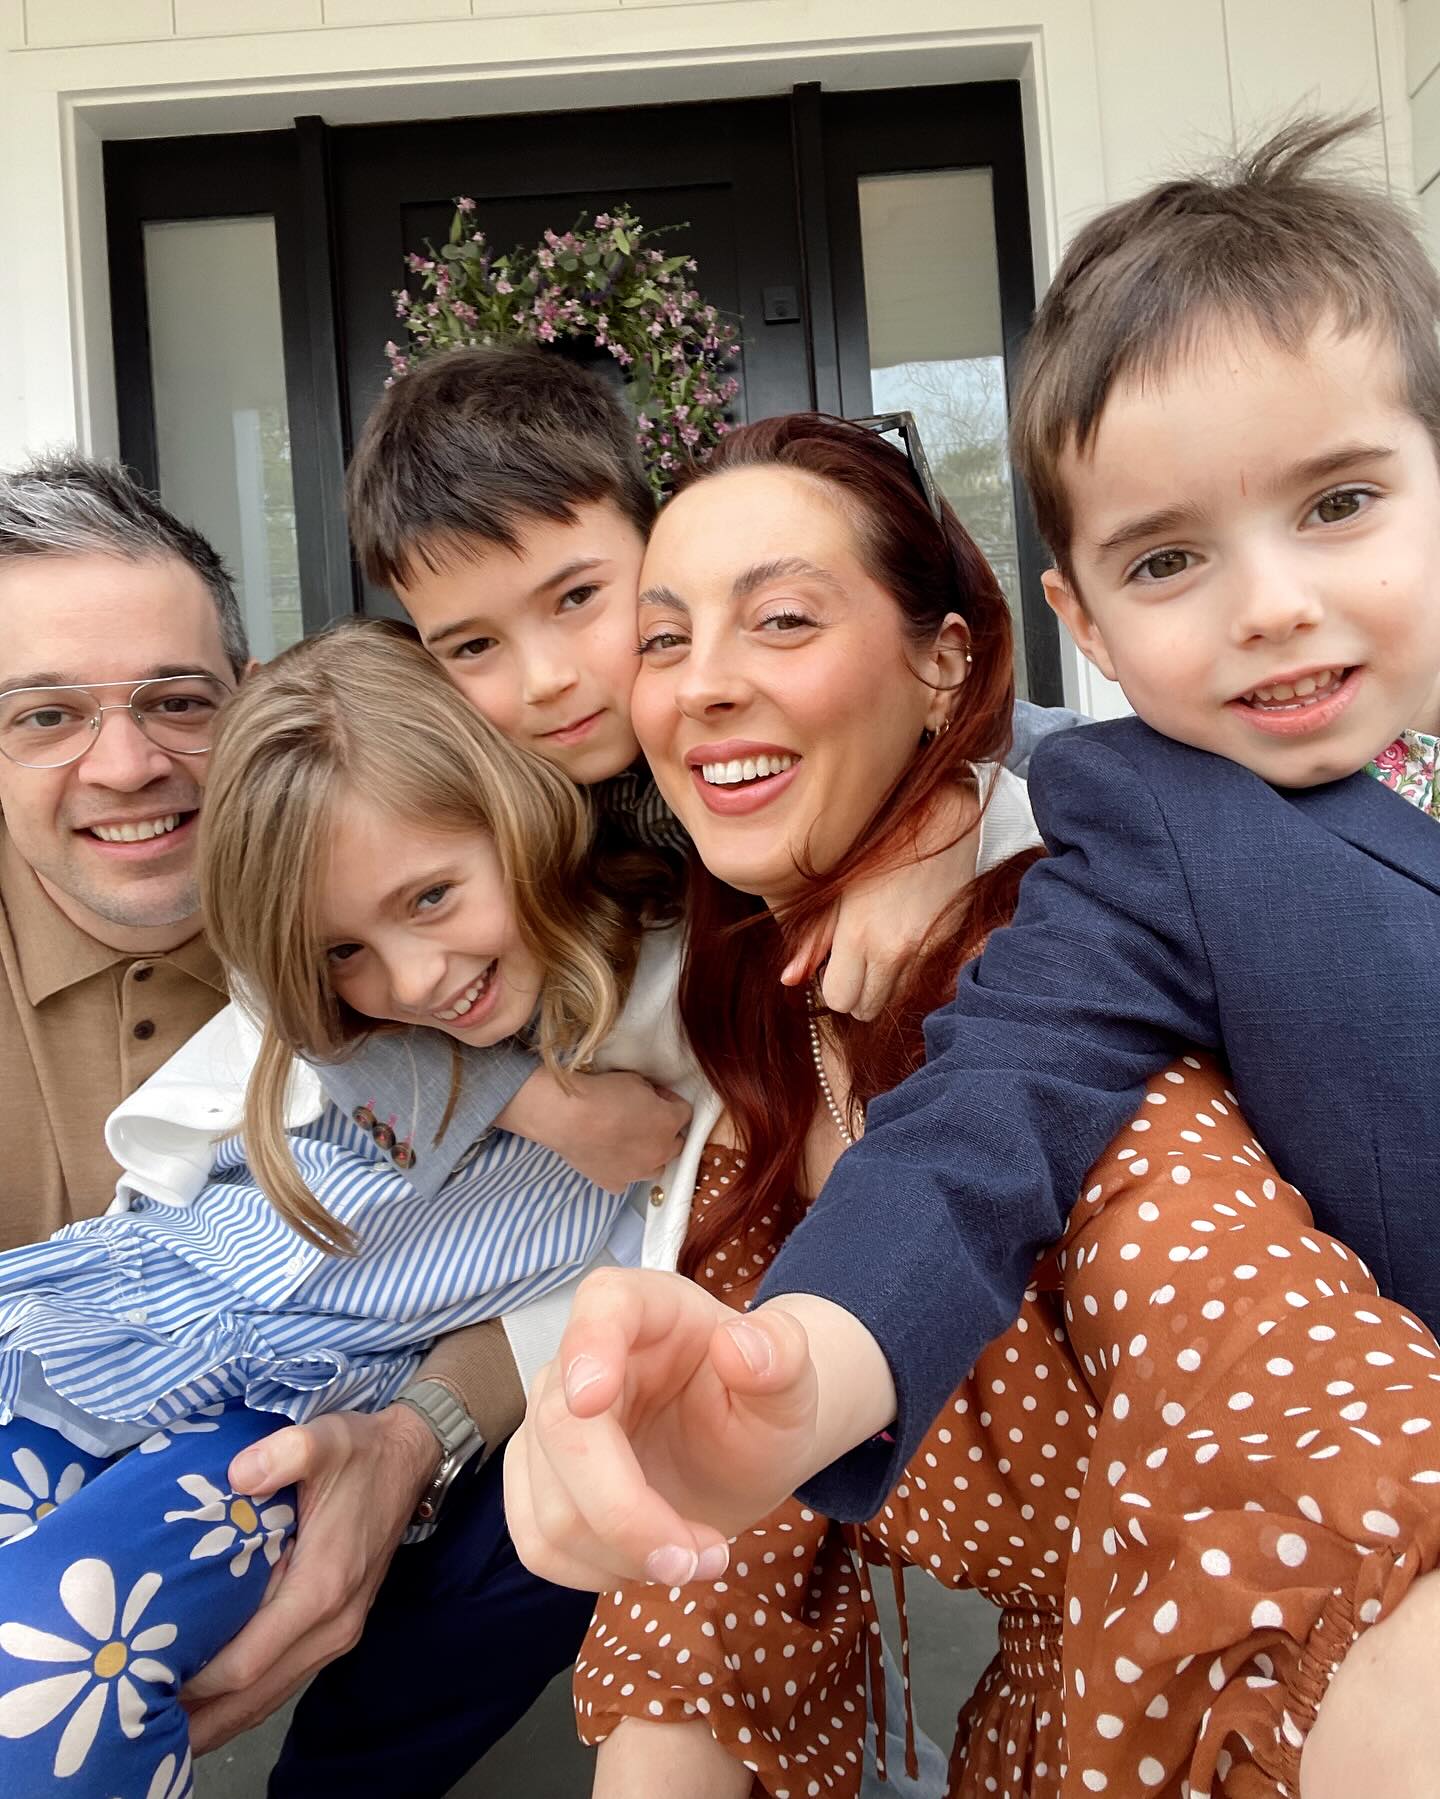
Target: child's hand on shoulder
(879, 925)
(614, 1128)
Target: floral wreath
(603, 282)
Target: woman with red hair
(825, 673)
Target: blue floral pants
(119, 1580)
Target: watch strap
(454, 1430)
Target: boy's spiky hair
(470, 446)
(1267, 242)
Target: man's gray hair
(65, 504)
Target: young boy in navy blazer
(1228, 423)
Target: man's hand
(614, 1128)
(875, 931)
(669, 1422)
(360, 1477)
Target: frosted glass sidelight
(221, 424)
(932, 302)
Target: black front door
(872, 249)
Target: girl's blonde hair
(364, 708)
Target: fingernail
(754, 1346)
(712, 1562)
(583, 1372)
(671, 1566)
(250, 1471)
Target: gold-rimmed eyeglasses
(50, 727)
(903, 425)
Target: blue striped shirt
(141, 1318)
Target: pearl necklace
(846, 1135)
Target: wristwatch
(455, 1432)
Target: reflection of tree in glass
(960, 409)
(284, 567)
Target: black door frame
(277, 174)
(291, 176)
(979, 125)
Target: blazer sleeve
(929, 1228)
(1031, 725)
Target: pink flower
(465, 204)
(603, 221)
(545, 258)
(546, 332)
(502, 286)
(1392, 761)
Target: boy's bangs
(1269, 245)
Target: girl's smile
(419, 927)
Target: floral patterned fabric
(1408, 768)
(119, 1580)
(1207, 1446)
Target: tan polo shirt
(80, 1027)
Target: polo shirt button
(364, 1117)
(145, 1029)
(137, 1316)
(296, 1262)
(144, 972)
(657, 1196)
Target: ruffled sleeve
(1265, 1480)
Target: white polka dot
(1108, 1725)
(1381, 1523)
(1241, 1402)
(1267, 1615)
(1188, 1359)
(1151, 1771)
(1167, 1617)
(1216, 1562)
(1173, 1413)
(1292, 1549)
(1095, 1781)
(1126, 1670)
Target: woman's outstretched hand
(669, 1422)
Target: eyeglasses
(50, 727)
(904, 426)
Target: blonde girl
(377, 859)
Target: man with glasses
(120, 638)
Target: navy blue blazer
(1184, 902)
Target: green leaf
(569, 263)
(457, 226)
(452, 252)
(622, 240)
(591, 259)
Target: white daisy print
(28, 1498)
(194, 1425)
(115, 1657)
(235, 1524)
(171, 1780)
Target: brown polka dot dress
(1205, 1445)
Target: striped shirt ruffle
(146, 1316)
